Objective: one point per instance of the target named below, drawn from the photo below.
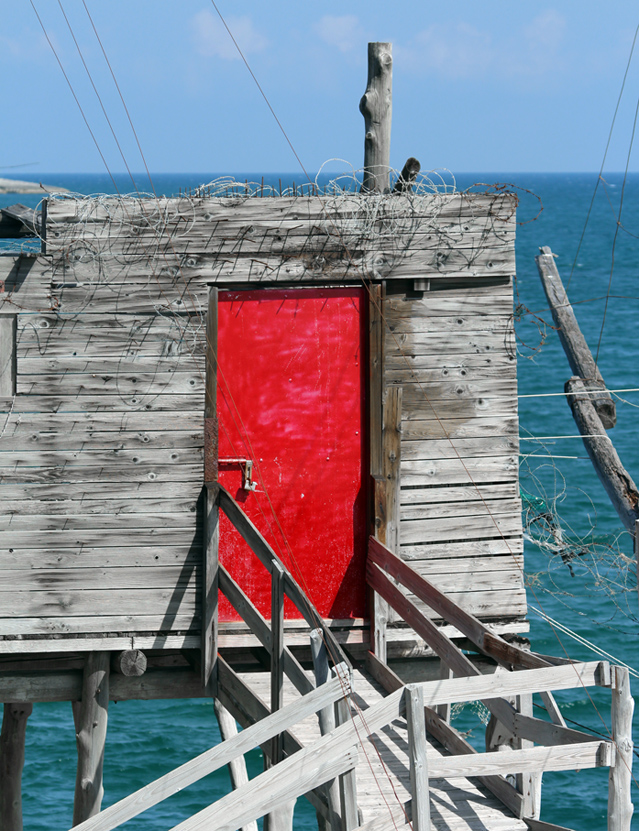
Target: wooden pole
(616, 480)
(415, 720)
(377, 107)
(326, 719)
(579, 356)
(237, 766)
(348, 780)
(620, 808)
(211, 517)
(131, 663)
(12, 739)
(91, 728)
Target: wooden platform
(383, 772)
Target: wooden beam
(391, 450)
(579, 356)
(616, 480)
(130, 662)
(237, 765)
(620, 806)
(277, 651)
(377, 108)
(8, 332)
(417, 757)
(326, 718)
(12, 740)
(210, 580)
(91, 727)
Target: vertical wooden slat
(12, 740)
(211, 511)
(347, 781)
(620, 807)
(8, 330)
(379, 609)
(528, 784)
(277, 650)
(391, 439)
(414, 698)
(326, 719)
(91, 728)
(445, 673)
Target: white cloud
(345, 32)
(213, 41)
(458, 51)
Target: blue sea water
(598, 599)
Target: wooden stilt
(237, 767)
(417, 757)
(91, 726)
(620, 808)
(12, 738)
(326, 722)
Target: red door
(291, 399)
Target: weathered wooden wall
(101, 446)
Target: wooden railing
(561, 746)
(260, 733)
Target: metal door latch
(246, 466)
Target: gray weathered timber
(377, 106)
(326, 718)
(277, 650)
(417, 757)
(91, 726)
(130, 662)
(210, 582)
(12, 742)
(579, 355)
(617, 482)
(620, 804)
(7, 356)
(236, 766)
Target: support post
(391, 449)
(277, 651)
(347, 781)
(614, 477)
(579, 355)
(415, 720)
(377, 107)
(237, 767)
(91, 727)
(12, 739)
(445, 673)
(8, 333)
(326, 719)
(211, 518)
(620, 807)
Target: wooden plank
(462, 495)
(86, 457)
(78, 558)
(446, 510)
(12, 744)
(91, 727)
(427, 406)
(433, 530)
(418, 395)
(87, 364)
(453, 448)
(88, 474)
(579, 356)
(449, 343)
(99, 539)
(47, 626)
(209, 597)
(142, 493)
(448, 427)
(417, 757)
(500, 324)
(7, 356)
(458, 371)
(479, 298)
(211, 760)
(80, 522)
(111, 403)
(446, 550)
(480, 470)
(617, 482)
(138, 383)
(88, 424)
(83, 603)
(124, 508)
(82, 579)
(21, 440)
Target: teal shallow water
(148, 738)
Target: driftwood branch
(579, 356)
(616, 480)
(376, 106)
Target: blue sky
(501, 85)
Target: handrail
(263, 551)
(220, 755)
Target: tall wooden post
(91, 727)
(326, 722)
(377, 107)
(620, 808)
(237, 767)
(211, 510)
(12, 738)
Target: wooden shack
(213, 403)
